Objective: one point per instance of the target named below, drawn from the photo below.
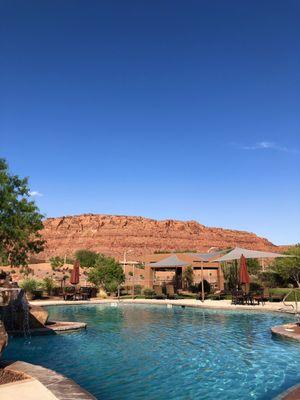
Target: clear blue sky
(165, 109)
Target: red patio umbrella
(74, 279)
(244, 276)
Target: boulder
(17, 314)
(3, 338)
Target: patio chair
(262, 296)
(69, 293)
(85, 293)
(238, 297)
(158, 292)
(249, 299)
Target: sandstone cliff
(112, 235)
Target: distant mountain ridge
(114, 234)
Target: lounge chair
(158, 292)
(262, 296)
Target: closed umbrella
(244, 276)
(74, 279)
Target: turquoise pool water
(152, 352)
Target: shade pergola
(172, 262)
(169, 262)
(237, 252)
(208, 256)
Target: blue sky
(165, 109)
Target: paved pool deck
(28, 389)
(40, 384)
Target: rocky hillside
(112, 235)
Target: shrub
(48, 285)
(149, 293)
(255, 287)
(56, 262)
(197, 288)
(30, 285)
(194, 288)
(138, 289)
(25, 271)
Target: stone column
(220, 278)
(148, 274)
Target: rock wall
(17, 315)
(112, 235)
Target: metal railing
(295, 309)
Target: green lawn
(286, 291)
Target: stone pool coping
(52, 328)
(52, 384)
(212, 304)
(287, 331)
(293, 393)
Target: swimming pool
(155, 352)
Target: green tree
(107, 273)
(86, 258)
(231, 275)
(253, 266)
(289, 268)
(272, 279)
(20, 219)
(188, 276)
